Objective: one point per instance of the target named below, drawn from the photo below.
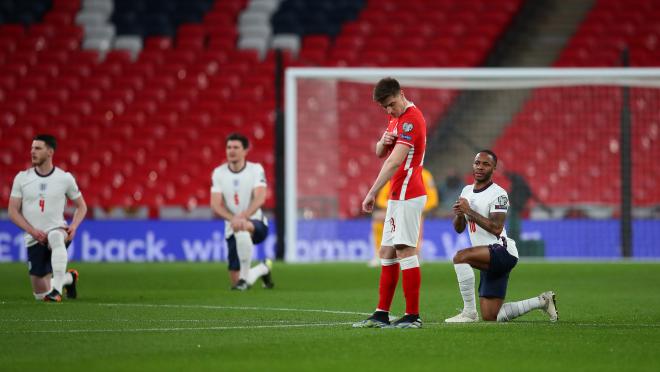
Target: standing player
(405, 142)
(36, 205)
(378, 214)
(237, 193)
(482, 207)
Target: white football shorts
(402, 221)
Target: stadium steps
(540, 38)
(535, 38)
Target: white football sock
(68, 279)
(465, 276)
(40, 296)
(410, 262)
(244, 248)
(389, 261)
(512, 310)
(58, 258)
(257, 272)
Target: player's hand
(462, 205)
(457, 212)
(71, 233)
(368, 203)
(388, 139)
(238, 223)
(41, 236)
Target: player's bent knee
(488, 317)
(56, 238)
(489, 314)
(460, 257)
(242, 234)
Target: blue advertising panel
(139, 241)
(322, 240)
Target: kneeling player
(237, 194)
(36, 205)
(482, 208)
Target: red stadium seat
(179, 96)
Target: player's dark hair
(238, 137)
(386, 87)
(491, 153)
(48, 139)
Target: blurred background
(142, 93)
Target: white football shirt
(236, 189)
(43, 198)
(492, 199)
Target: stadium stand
(371, 40)
(142, 92)
(571, 125)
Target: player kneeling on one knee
(237, 194)
(482, 208)
(36, 205)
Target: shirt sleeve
(464, 192)
(16, 191)
(260, 179)
(215, 182)
(408, 130)
(72, 191)
(500, 203)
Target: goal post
(331, 125)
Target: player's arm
(459, 222)
(218, 206)
(258, 199)
(494, 223)
(17, 218)
(78, 217)
(394, 161)
(384, 145)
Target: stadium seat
(173, 63)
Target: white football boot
(550, 305)
(463, 317)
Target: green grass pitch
(154, 317)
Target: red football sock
(412, 280)
(389, 277)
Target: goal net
(576, 151)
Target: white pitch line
(178, 329)
(227, 328)
(134, 320)
(211, 307)
(595, 325)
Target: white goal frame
(450, 78)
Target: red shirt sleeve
(409, 129)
